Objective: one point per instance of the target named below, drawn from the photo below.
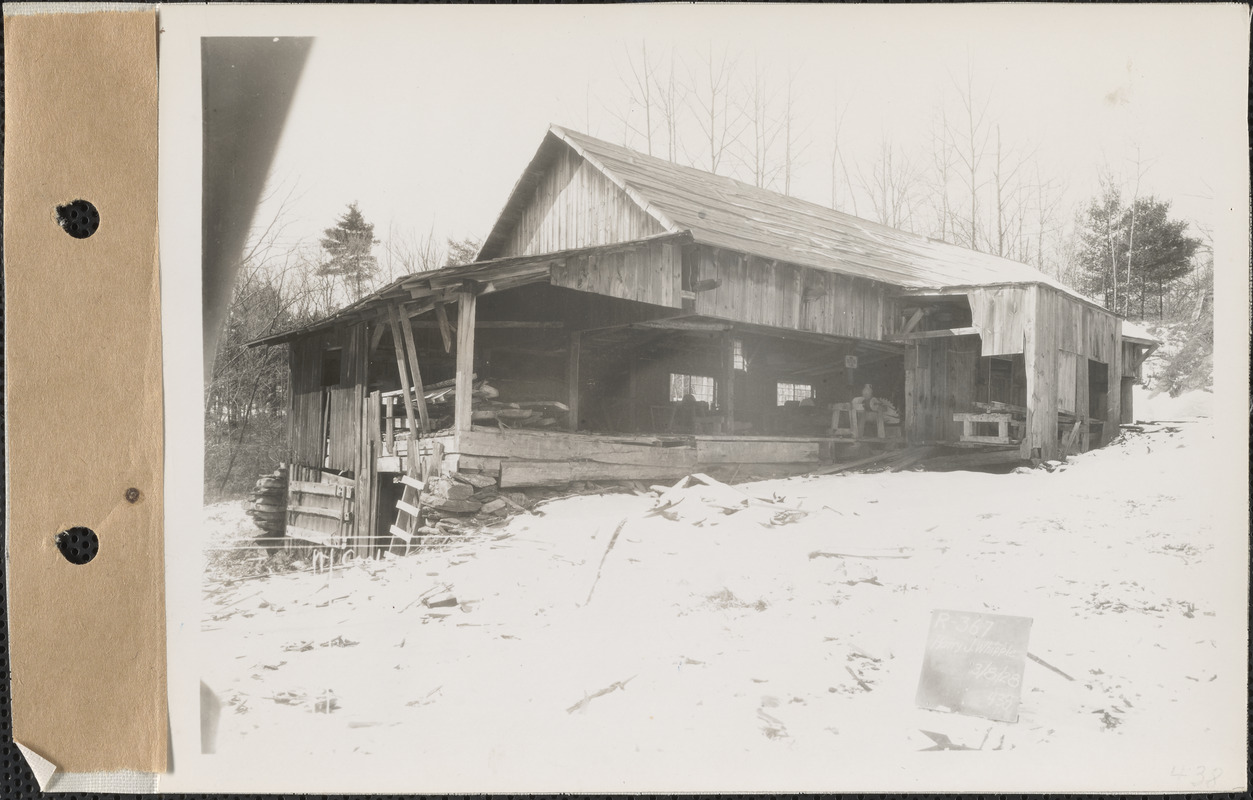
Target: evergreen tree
(1128, 256)
(349, 252)
(462, 251)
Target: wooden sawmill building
(632, 319)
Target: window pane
(699, 386)
(793, 391)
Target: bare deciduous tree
(709, 97)
(970, 134)
(891, 186)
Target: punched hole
(79, 219)
(79, 545)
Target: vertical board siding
(1068, 381)
(647, 274)
(1000, 313)
(325, 421)
(782, 295)
(941, 379)
(574, 206)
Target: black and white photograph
(706, 398)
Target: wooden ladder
(408, 517)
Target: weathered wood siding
(941, 379)
(1001, 314)
(573, 206)
(782, 295)
(646, 274)
(1067, 333)
(1057, 335)
(325, 421)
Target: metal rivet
(132, 495)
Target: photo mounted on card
(606, 400)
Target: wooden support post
(466, 309)
(415, 373)
(398, 344)
(389, 441)
(445, 330)
(572, 378)
(728, 381)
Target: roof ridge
(565, 133)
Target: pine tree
(1129, 270)
(349, 250)
(462, 251)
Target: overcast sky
(425, 116)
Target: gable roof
(727, 213)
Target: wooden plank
(937, 334)
(445, 330)
(402, 370)
(329, 489)
(572, 379)
(415, 373)
(401, 533)
(981, 417)
(861, 462)
(413, 482)
(492, 323)
(1068, 446)
(541, 446)
(486, 465)
(979, 459)
(389, 464)
(985, 439)
(408, 508)
(913, 321)
(323, 538)
(708, 452)
(728, 380)
(467, 306)
(314, 511)
(514, 473)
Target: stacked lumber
(526, 414)
(487, 408)
(269, 503)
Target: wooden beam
(1140, 359)
(515, 473)
(572, 379)
(415, 373)
(983, 458)
(377, 336)
(945, 333)
(445, 330)
(682, 325)
(728, 380)
(402, 370)
(493, 323)
(466, 310)
(913, 322)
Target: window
(330, 366)
(699, 386)
(794, 391)
(737, 355)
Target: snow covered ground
(597, 646)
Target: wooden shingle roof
(724, 212)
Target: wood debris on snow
(587, 698)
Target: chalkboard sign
(973, 664)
